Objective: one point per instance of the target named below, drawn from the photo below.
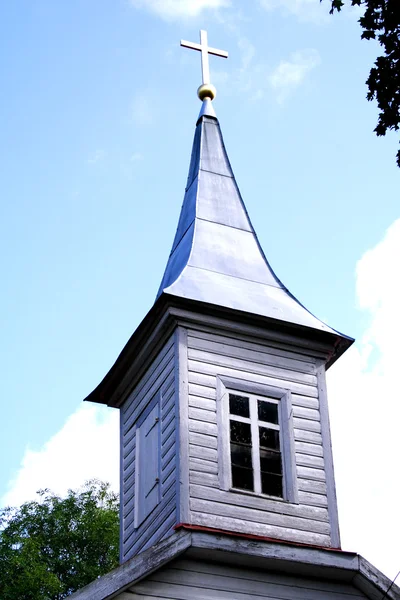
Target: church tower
(221, 389)
(227, 482)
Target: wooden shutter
(148, 474)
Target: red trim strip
(250, 536)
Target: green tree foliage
(381, 21)
(53, 546)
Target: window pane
(267, 411)
(242, 478)
(270, 461)
(240, 432)
(241, 455)
(269, 438)
(239, 405)
(271, 484)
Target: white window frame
(255, 391)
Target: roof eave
(227, 548)
(161, 320)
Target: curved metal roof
(216, 256)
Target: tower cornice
(169, 312)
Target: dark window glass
(270, 461)
(241, 459)
(271, 484)
(240, 432)
(239, 405)
(269, 438)
(267, 411)
(241, 455)
(242, 478)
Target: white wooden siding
(186, 579)
(159, 379)
(213, 354)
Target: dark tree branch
(381, 21)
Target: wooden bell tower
(227, 482)
(224, 417)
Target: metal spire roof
(216, 257)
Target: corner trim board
(328, 457)
(182, 431)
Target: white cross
(205, 51)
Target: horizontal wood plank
(252, 351)
(184, 567)
(165, 374)
(209, 454)
(313, 499)
(203, 466)
(311, 485)
(248, 501)
(203, 427)
(129, 448)
(165, 458)
(273, 531)
(242, 362)
(137, 539)
(306, 413)
(204, 479)
(160, 376)
(129, 505)
(203, 391)
(308, 473)
(146, 383)
(205, 580)
(197, 369)
(199, 439)
(263, 517)
(305, 401)
(306, 448)
(309, 460)
(250, 343)
(199, 414)
(306, 425)
(303, 435)
(205, 403)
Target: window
(255, 451)
(256, 446)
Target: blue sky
(98, 108)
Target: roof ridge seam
(252, 232)
(181, 239)
(278, 287)
(215, 173)
(192, 182)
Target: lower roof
(233, 550)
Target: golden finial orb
(207, 90)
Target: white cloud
(303, 10)
(256, 78)
(291, 73)
(246, 75)
(179, 9)
(247, 52)
(249, 77)
(86, 447)
(365, 413)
